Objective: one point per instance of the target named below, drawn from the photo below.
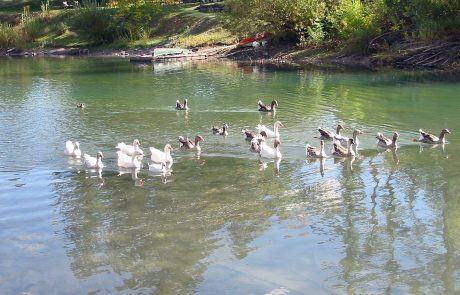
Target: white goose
(129, 149)
(269, 152)
(94, 162)
(72, 149)
(159, 156)
(343, 140)
(126, 161)
(270, 133)
(157, 167)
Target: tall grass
(9, 36)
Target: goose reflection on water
(263, 165)
(423, 147)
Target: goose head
(445, 130)
(80, 105)
(277, 143)
(357, 132)
(274, 104)
(263, 135)
(199, 138)
(136, 142)
(351, 141)
(99, 155)
(168, 148)
(76, 145)
(395, 136)
(278, 124)
(339, 128)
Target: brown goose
(248, 135)
(221, 131)
(257, 141)
(385, 142)
(315, 152)
(182, 106)
(328, 135)
(340, 151)
(189, 145)
(430, 138)
(267, 108)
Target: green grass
(179, 25)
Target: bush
(283, 18)
(31, 27)
(94, 23)
(9, 37)
(137, 16)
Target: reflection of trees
(156, 236)
(396, 215)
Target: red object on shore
(258, 37)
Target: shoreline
(268, 54)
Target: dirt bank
(439, 55)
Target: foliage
(45, 7)
(137, 15)
(31, 27)
(283, 18)
(9, 37)
(95, 23)
(437, 18)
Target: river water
(223, 221)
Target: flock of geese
(131, 156)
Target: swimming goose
(188, 145)
(328, 135)
(72, 149)
(248, 135)
(430, 138)
(129, 149)
(221, 131)
(94, 162)
(315, 152)
(271, 153)
(271, 134)
(159, 156)
(257, 142)
(267, 108)
(126, 161)
(81, 105)
(343, 139)
(385, 142)
(340, 151)
(182, 106)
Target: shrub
(284, 18)
(8, 36)
(94, 23)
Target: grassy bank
(354, 35)
(42, 27)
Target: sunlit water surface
(223, 222)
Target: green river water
(225, 222)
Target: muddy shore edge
(434, 56)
